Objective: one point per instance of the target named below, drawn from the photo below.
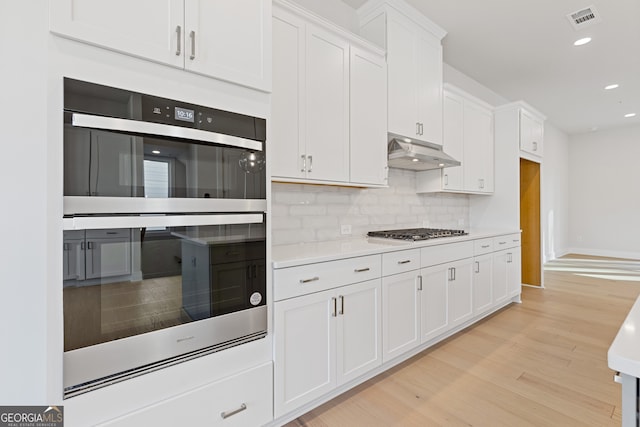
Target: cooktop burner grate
(416, 233)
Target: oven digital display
(184, 114)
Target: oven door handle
(160, 129)
(137, 221)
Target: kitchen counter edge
(297, 254)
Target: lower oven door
(141, 292)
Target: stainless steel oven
(164, 241)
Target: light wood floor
(539, 363)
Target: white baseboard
(604, 252)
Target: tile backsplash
(310, 213)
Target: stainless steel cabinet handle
(313, 279)
(334, 301)
(304, 163)
(178, 40)
(421, 128)
(192, 35)
(82, 246)
(417, 128)
(310, 163)
(89, 245)
(446, 179)
(535, 146)
(509, 257)
(65, 247)
(477, 266)
(484, 246)
(406, 261)
(361, 270)
(481, 183)
(341, 305)
(454, 273)
(419, 282)
(227, 414)
(502, 243)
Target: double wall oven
(164, 255)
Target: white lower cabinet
(323, 340)
(241, 400)
(507, 264)
(482, 283)
(446, 297)
(400, 314)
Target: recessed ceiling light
(156, 152)
(582, 41)
(613, 86)
(630, 115)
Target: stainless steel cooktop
(416, 233)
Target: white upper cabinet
(226, 39)
(531, 132)
(328, 103)
(468, 137)
(414, 61)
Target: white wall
(605, 193)
(555, 173)
(309, 213)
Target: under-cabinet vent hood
(405, 153)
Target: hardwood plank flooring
(539, 363)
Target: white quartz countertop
(293, 255)
(624, 353)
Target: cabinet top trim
(326, 24)
(448, 87)
(373, 7)
(521, 105)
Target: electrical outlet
(345, 229)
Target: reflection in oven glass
(125, 282)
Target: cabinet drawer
(305, 279)
(241, 400)
(506, 241)
(482, 246)
(440, 254)
(401, 261)
(108, 233)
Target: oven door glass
(121, 282)
(107, 163)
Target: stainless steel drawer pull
(313, 279)
(341, 305)
(484, 246)
(502, 243)
(361, 270)
(406, 261)
(334, 301)
(227, 414)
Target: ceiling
(523, 50)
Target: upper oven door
(126, 152)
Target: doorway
(530, 222)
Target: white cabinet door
(531, 133)
(478, 148)
(287, 102)
(241, 400)
(229, 40)
(434, 299)
(144, 28)
(305, 356)
(500, 264)
(482, 283)
(453, 142)
(359, 345)
(400, 314)
(368, 118)
(429, 87)
(402, 45)
(460, 292)
(514, 275)
(327, 106)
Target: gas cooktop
(416, 233)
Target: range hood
(405, 153)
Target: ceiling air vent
(584, 18)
